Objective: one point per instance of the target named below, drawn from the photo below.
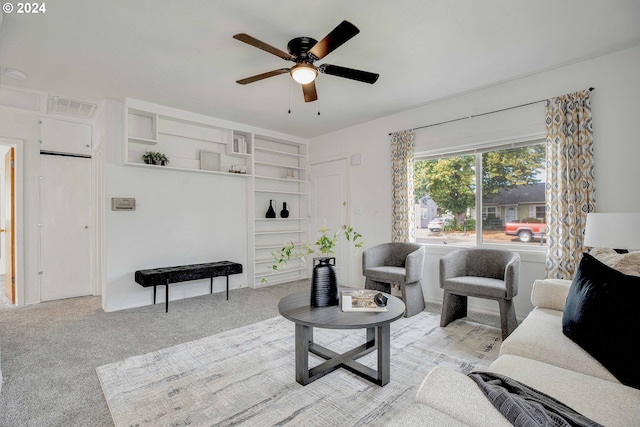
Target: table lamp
(618, 231)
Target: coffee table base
(378, 338)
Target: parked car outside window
(436, 224)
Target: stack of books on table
(360, 300)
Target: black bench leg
(154, 294)
(166, 307)
(227, 288)
(211, 285)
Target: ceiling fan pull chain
(318, 103)
(289, 81)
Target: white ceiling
(182, 54)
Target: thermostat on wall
(123, 204)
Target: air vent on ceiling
(71, 107)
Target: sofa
(538, 355)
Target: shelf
(283, 153)
(281, 166)
(143, 140)
(265, 261)
(264, 233)
(278, 245)
(292, 193)
(280, 271)
(281, 219)
(156, 167)
(281, 179)
(236, 154)
(142, 126)
(271, 282)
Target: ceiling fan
(304, 51)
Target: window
(505, 183)
(490, 212)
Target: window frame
(477, 151)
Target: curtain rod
(482, 114)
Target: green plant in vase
(147, 157)
(322, 248)
(155, 158)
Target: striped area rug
(246, 376)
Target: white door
(510, 214)
(65, 234)
(329, 203)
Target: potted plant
(147, 157)
(155, 158)
(160, 158)
(324, 284)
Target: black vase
(324, 283)
(271, 213)
(284, 213)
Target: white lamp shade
(303, 73)
(613, 230)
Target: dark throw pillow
(602, 315)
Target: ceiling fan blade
(336, 38)
(349, 73)
(309, 91)
(262, 76)
(262, 45)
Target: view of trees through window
(510, 183)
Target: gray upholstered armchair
(400, 263)
(482, 273)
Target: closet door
(329, 183)
(65, 234)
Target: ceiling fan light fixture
(303, 73)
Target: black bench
(183, 273)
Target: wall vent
(71, 107)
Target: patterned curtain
(403, 227)
(570, 189)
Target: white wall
(181, 217)
(617, 148)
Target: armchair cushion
(501, 265)
(484, 286)
(386, 274)
(391, 258)
(601, 316)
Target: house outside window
(489, 212)
(505, 183)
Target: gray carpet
(50, 351)
(246, 377)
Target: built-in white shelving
(281, 176)
(191, 142)
(276, 170)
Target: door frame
(346, 157)
(18, 145)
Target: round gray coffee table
(296, 307)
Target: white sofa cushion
(603, 401)
(540, 337)
(550, 293)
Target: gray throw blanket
(524, 406)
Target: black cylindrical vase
(324, 283)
